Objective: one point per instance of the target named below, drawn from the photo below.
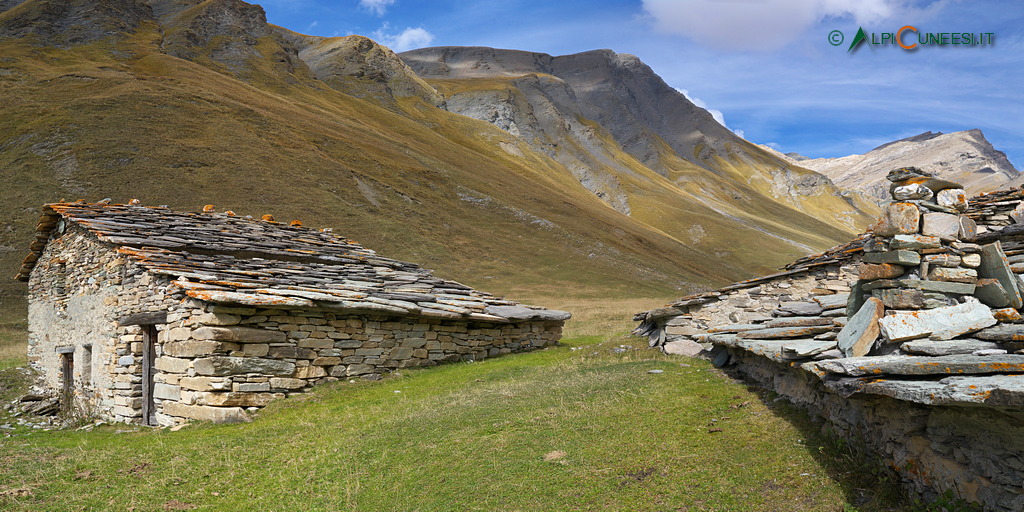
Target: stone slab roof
(222, 258)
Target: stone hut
(153, 316)
(908, 341)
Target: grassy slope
(79, 123)
(468, 437)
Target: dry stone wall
(909, 343)
(216, 362)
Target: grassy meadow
(575, 427)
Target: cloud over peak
(408, 39)
(758, 24)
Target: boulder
(940, 323)
(860, 333)
(898, 218)
(683, 348)
(912, 191)
(955, 198)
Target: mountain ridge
(203, 102)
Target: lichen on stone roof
(222, 258)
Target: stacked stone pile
(871, 336)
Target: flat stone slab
(1002, 332)
(945, 226)
(915, 242)
(524, 313)
(899, 257)
(946, 348)
(772, 349)
(800, 308)
(799, 321)
(939, 324)
(784, 332)
(995, 266)
(860, 333)
(734, 328)
(990, 390)
(805, 349)
(937, 286)
(921, 365)
(836, 300)
(870, 272)
(991, 293)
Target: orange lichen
(208, 208)
(267, 217)
(295, 223)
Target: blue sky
(765, 65)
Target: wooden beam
(151, 318)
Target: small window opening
(86, 366)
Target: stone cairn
(922, 275)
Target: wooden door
(67, 375)
(148, 348)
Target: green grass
(12, 345)
(575, 427)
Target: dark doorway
(148, 348)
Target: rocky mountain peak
(964, 157)
(359, 66)
(64, 23)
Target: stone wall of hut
(215, 362)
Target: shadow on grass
(868, 485)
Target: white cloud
(715, 113)
(407, 39)
(760, 24)
(378, 7)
